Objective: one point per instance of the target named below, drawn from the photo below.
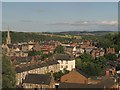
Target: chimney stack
(107, 73)
(33, 59)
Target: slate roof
(26, 59)
(22, 60)
(107, 82)
(38, 65)
(77, 85)
(29, 58)
(38, 79)
(63, 57)
(82, 73)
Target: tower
(8, 39)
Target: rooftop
(107, 82)
(36, 65)
(38, 79)
(77, 85)
(63, 57)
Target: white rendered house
(66, 61)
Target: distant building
(8, 39)
(86, 43)
(40, 81)
(118, 68)
(18, 61)
(110, 50)
(110, 72)
(66, 61)
(89, 49)
(78, 79)
(108, 83)
(77, 51)
(104, 84)
(68, 49)
(16, 50)
(97, 52)
(30, 45)
(74, 50)
(37, 47)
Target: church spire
(8, 39)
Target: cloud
(88, 23)
(108, 22)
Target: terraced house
(39, 81)
(37, 68)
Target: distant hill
(86, 32)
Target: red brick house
(75, 76)
(37, 47)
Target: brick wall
(74, 77)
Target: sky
(60, 0)
(60, 16)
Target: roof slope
(107, 82)
(77, 85)
(38, 79)
(63, 57)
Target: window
(66, 66)
(66, 62)
(61, 66)
(22, 54)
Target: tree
(86, 57)
(8, 73)
(101, 61)
(91, 69)
(59, 49)
(116, 41)
(90, 66)
(65, 71)
(111, 56)
(78, 63)
(110, 40)
(57, 75)
(34, 53)
(44, 56)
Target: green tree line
(26, 36)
